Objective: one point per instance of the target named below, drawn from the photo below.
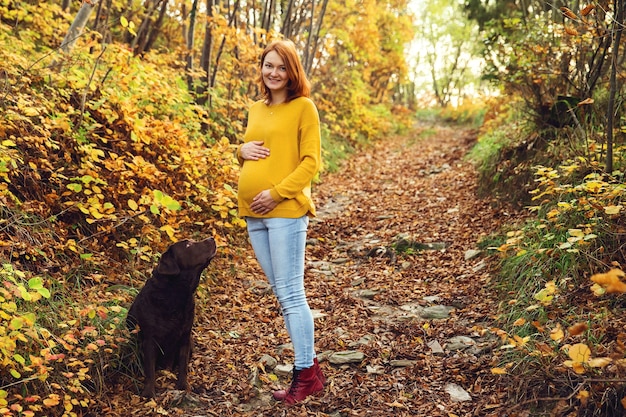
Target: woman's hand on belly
(263, 203)
(254, 150)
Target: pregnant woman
(279, 158)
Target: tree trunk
(307, 50)
(268, 13)
(264, 13)
(77, 26)
(156, 28)
(220, 50)
(205, 59)
(190, 43)
(100, 17)
(618, 26)
(140, 42)
(287, 20)
(310, 50)
(183, 24)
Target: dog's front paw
(182, 385)
(148, 392)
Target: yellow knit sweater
(291, 131)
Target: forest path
(407, 227)
(400, 293)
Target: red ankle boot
(305, 382)
(318, 371)
(281, 394)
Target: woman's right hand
(254, 150)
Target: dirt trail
(395, 241)
(421, 189)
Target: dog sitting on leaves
(164, 311)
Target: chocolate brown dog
(164, 310)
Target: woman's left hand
(263, 203)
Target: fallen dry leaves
(420, 188)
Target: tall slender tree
(616, 35)
(190, 38)
(205, 59)
(77, 26)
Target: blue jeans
(279, 245)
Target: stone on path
(472, 253)
(283, 369)
(402, 363)
(457, 393)
(346, 356)
(375, 369)
(436, 312)
(460, 342)
(435, 347)
(268, 361)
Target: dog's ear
(168, 265)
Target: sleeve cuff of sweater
(275, 196)
(238, 154)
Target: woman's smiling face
(274, 72)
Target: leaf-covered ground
(370, 273)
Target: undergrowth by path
(417, 186)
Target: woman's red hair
(298, 85)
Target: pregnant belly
(253, 179)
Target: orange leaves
(169, 230)
(141, 249)
(568, 13)
(225, 205)
(7, 158)
(557, 334)
(577, 329)
(52, 400)
(609, 282)
(594, 199)
(580, 358)
(583, 13)
(92, 203)
(587, 9)
(498, 371)
(546, 337)
(579, 354)
(581, 20)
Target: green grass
(334, 150)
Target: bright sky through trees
(442, 57)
